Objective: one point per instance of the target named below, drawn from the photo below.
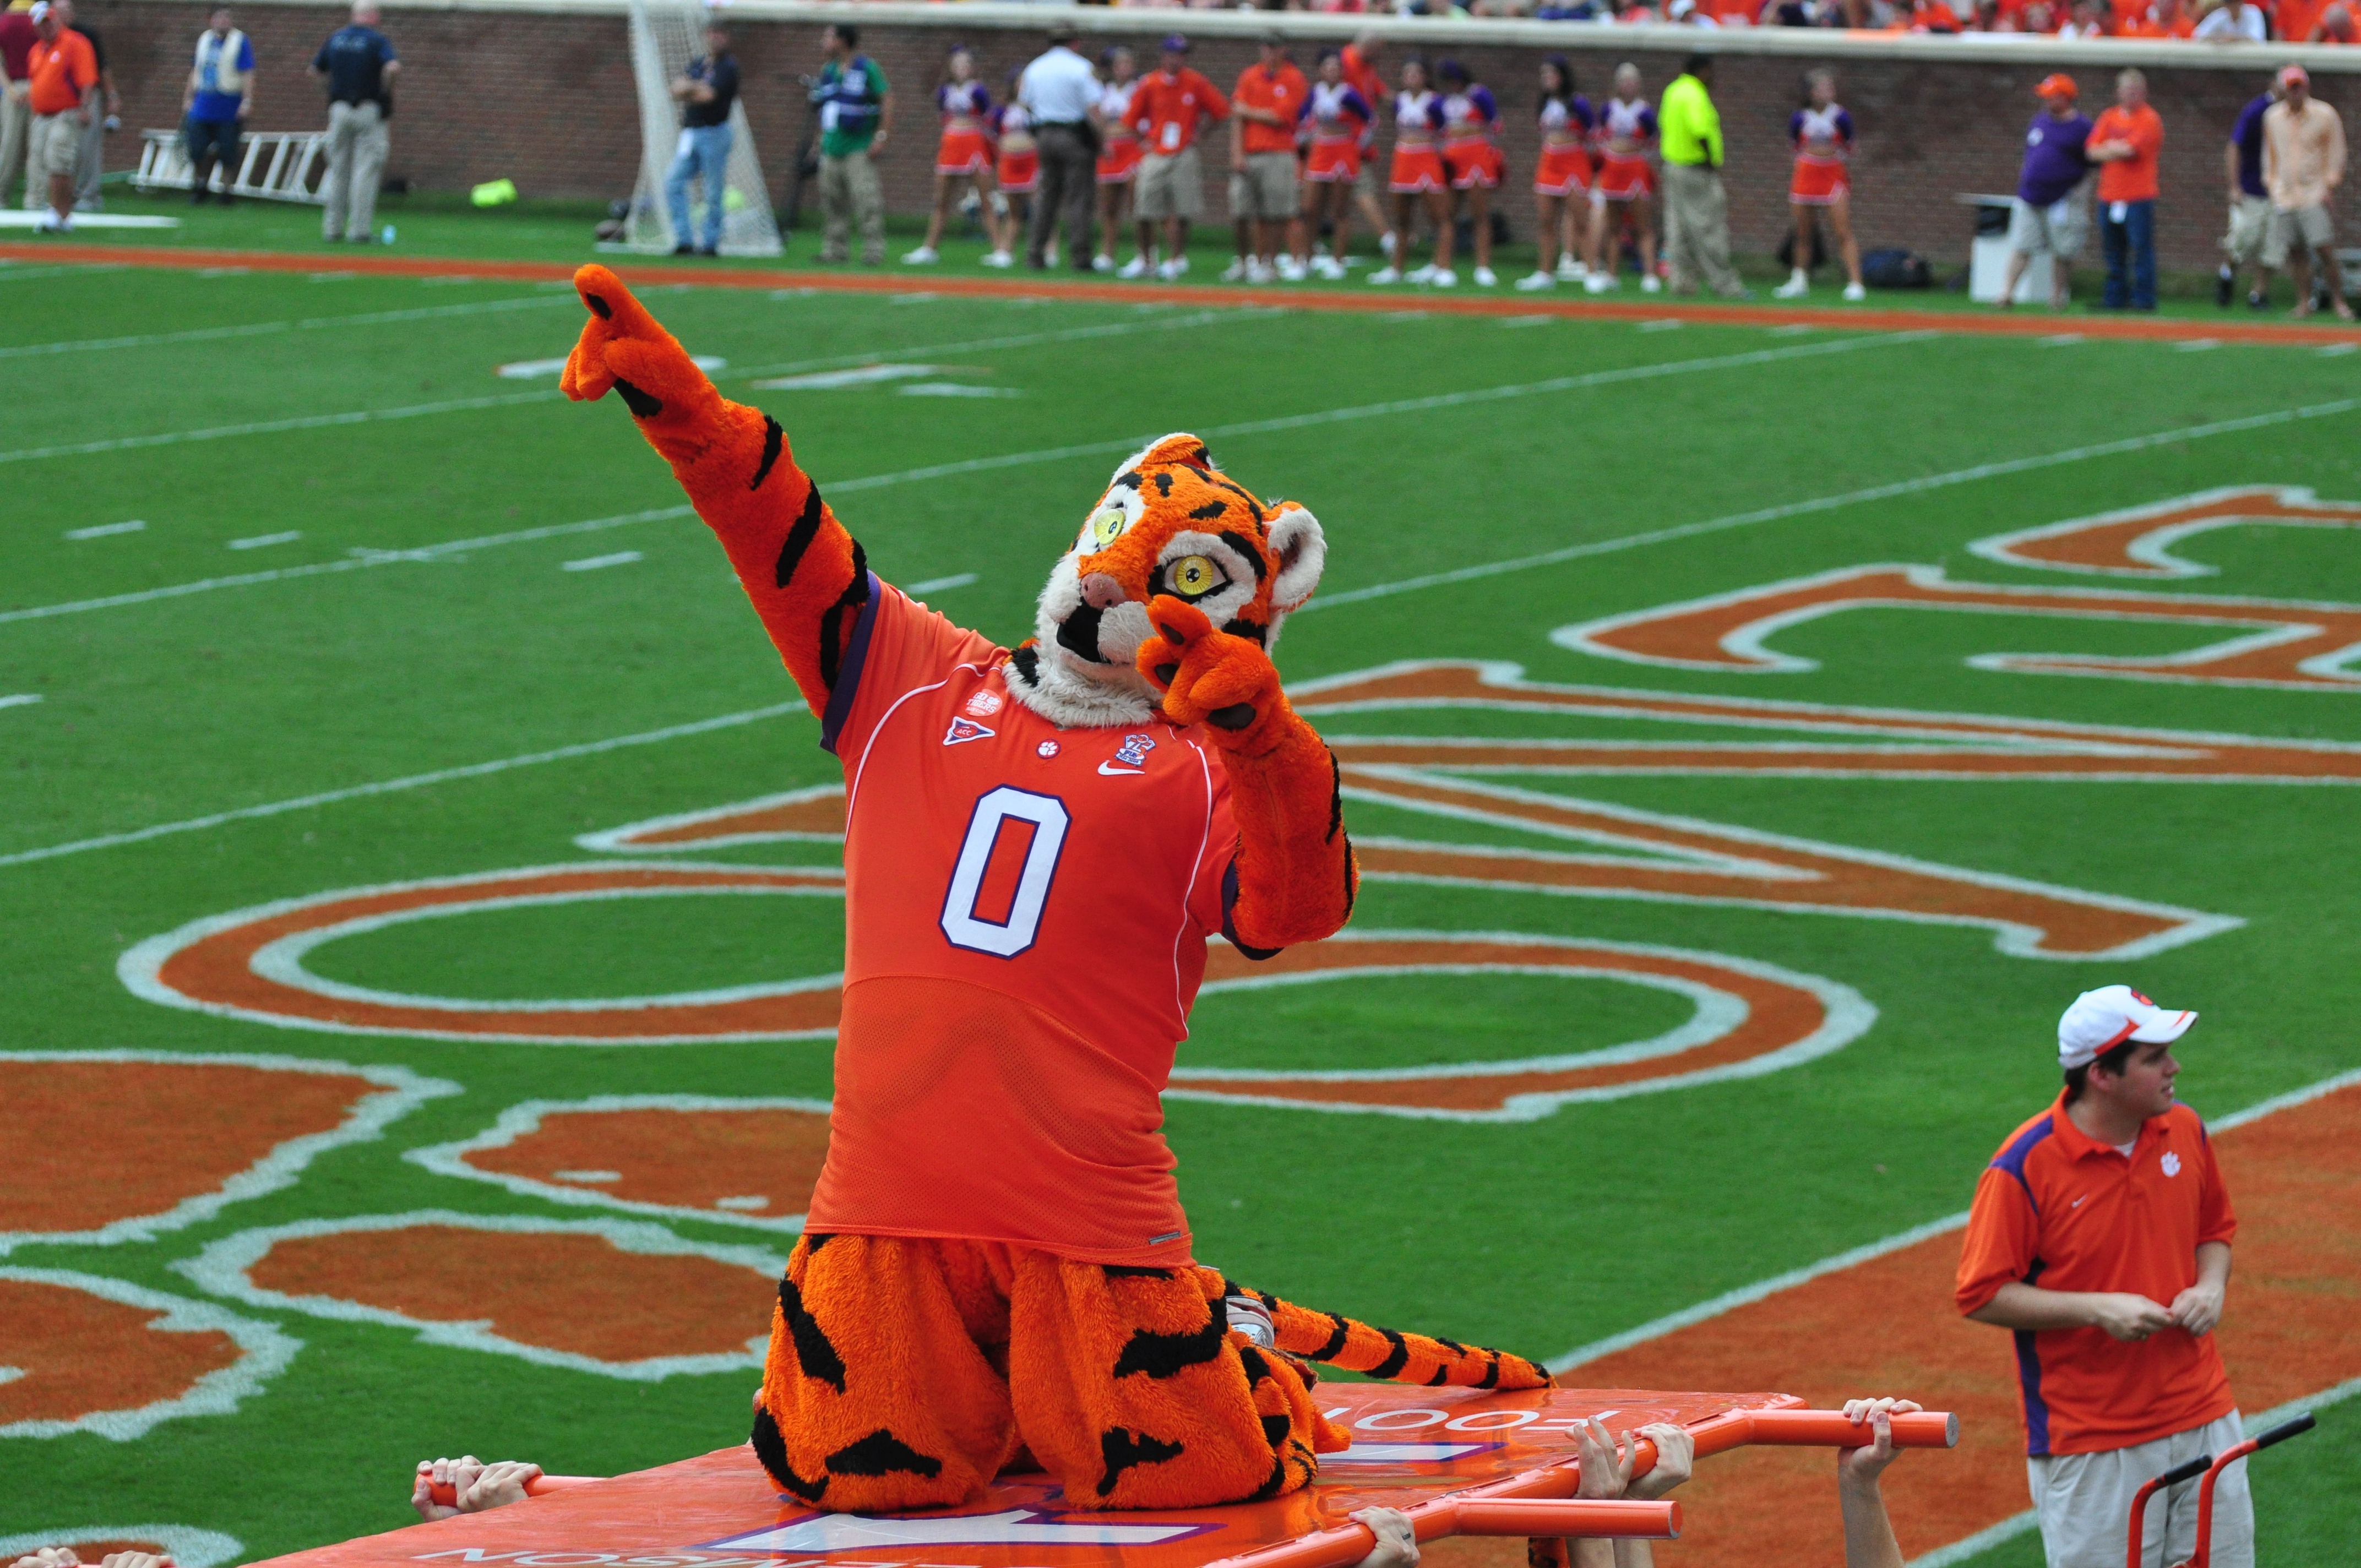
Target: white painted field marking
(836, 380)
(527, 369)
(1526, 321)
(594, 563)
(2062, 340)
(411, 782)
(1118, 445)
(21, 699)
(103, 530)
(938, 585)
(14, 274)
(956, 389)
(922, 298)
(273, 426)
(1850, 498)
(1792, 329)
(1010, 340)
(224, 271)
(1672, 324)
(264, 329)
(2334, 349)
(261, 540)
(2197, 346)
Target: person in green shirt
(1696, 209)
(856, 117)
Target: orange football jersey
(1027, 909)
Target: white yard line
(1849, 498)
(1011, 340)
(600, 563)
(273, 426)
(395, 786)
(20, 699)
(264, 329)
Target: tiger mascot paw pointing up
(1039, 842)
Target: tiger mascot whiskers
(996, 1261)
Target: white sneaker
(1445, 278)
(1387, 243)
(999, 259)
(1570, 270)
(1102, 263)
(1487, 279)
(1291, 270)
(1385, 275)
(1599, 282)
(1136, 267)
(1236, 271)
(1328, 266)
(1794, 288)
(1261, 271)
(1420, 274)
(1534, 281)
(1855, 292)
(1168, 270)
(1651, 284)
(925, 255)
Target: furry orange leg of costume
(903, 1371)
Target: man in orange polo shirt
(64, 84)
(2100, 1235)
(1170, 104)
(1264, 194)
(2124, 143)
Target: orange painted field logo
(212, 1130)
(741, 1162)
(90, 1354)
(614, 1298)
(2291, 643)
(2138, 541)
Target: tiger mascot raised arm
(1039, 845)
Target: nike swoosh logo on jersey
(2077, 1202)
(1120, 772)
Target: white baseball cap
(2101, 1020)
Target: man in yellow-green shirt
(1696, 209)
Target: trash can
(1988, 255)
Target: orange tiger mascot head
(1171, 522)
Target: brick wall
(545, 98)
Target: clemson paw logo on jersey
(966, 730)
(2172, 1163)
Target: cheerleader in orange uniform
(1471, 151)
(1822, 132)
(1120, 150)
(964, 152)
(1020, 175)
(1624, 184)
(1418, 173)
(1336, 117)
(1562, 179)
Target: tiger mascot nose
(1101, 591)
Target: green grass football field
(390, 617)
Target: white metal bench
(279, 166)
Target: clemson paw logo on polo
(2172, 1163)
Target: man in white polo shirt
(2100, 1235)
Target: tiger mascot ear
(1302, 551)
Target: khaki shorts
(1170, 187)
(2250, 231)
(1266, 189)
(56, 146)
(2085, 1502)
(2296, 228)
(2055, 230)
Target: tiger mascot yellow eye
(996, 1244)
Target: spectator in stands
(2303, 163)
(18, 35)
(2124, 143)
(1623, 185)
(2048, 216)
(1822, 132)
(2087, 19)
(358, 63)
(2226, 21)
(1059, 89)
(1606, 1465)
(2335, 27)
(1697, 208)
(856, 119)
(216, 102)
(1265, 203)
(64, 75)
(64, 1557)
(1169, 107)
(1119, 153)
(2101, 1237)
(2250, 204)
(89, 172)
(1360, 61)
(704, 89)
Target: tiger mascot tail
(1390, 1354)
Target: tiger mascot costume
(996, 1264)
